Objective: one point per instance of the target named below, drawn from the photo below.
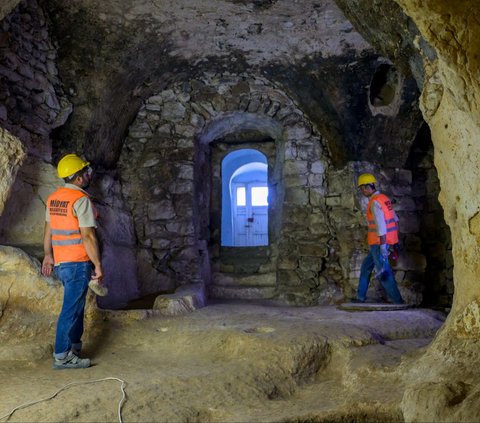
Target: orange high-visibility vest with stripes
(67, 240)
(391, 224)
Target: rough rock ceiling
(114, 54)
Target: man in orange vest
(382, 232)
(71, 248)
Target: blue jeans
(375, 259)
(75, 277)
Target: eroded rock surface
(232, 362)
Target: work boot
(71, 361)
(76, 349)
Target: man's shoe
(356, 300)
(71, 361)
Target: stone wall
(434, 238)
(317, 238)
(31, 94)
(411, 200)
(32, 104)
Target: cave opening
(384, 85)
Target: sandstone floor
(227, 362)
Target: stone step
(234, 255)
(234, 279)
(243, 267)
(241, 292)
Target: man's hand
(98, 273)
(47, 265)
(384, 250)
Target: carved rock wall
(312, 253)
(12, 155)
(444, 384)
(32, 104)
(31, 94)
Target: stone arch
(231, 131)
(169, 143)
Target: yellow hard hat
(365, 179)
(69, 165)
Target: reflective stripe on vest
(65, 232)
(67, 242)
(391, 223)
(66, 236)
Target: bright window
(241, 196)
(259, 196)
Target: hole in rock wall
(383, 87)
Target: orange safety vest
(392, 230)
(67, 240)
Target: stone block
(399, 276)
(161, 243)
(409, 222)
(187, 131)
(242, 293)
(168, 95)
(296, 180)
(403, 176)
(140, 130)
(187, 298)
(320, 229)
(306, 151)
(288, 263)
(153, 107)
(312, 250)
(317, 167)
(173, 112)
(291, 152)
(412, 243)
(288, 278)
(406, 204)
(295, 167)
(333, 200)
(160, 210)
(409, 260)
(399, 190)
(181, 228)
(297, 196)
(240, 280)
(354, 275)
(181, 186)
(314, 264)
(316, 180)
(185, 171)
(154, 229)
(156, 99)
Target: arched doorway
(244, 199)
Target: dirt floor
(227, 362)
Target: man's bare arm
(90, 242)
(48, 262)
